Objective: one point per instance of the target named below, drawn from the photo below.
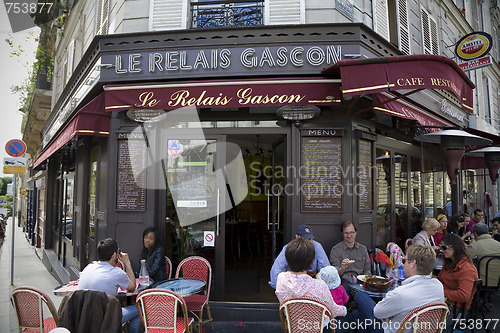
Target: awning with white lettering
(224, 94)
(417, 72)
(389, 104)
(91, 119)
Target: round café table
(370, 292)
(182, 286)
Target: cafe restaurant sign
(226, 94)
(257, 60)
(473, 45)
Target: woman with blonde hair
(429, 229)
(443, 221)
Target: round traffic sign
(15, 147)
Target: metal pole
(13, 226)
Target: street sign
(476, 63)
(15, 147)
(14, 170)
(14, 161)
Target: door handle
(218, 212)
(268, 209)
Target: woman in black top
(154, 254)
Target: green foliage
(4, 182)
(6, 201)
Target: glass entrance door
(197, 198)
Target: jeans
(358, 319)
(130, 314)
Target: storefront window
(92, 192)
(428, 210)
(471, 193)
(67, 220)
(416, 195)
(384, 211)
(401, 196)
(440, 204)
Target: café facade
(228, 139)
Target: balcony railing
(211, 14)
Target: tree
(4, 182)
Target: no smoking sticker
(208, 238)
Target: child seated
(330, 275)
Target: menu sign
(321, 170)
(364, 173)
(131, 193)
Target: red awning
(89, 120)
(374, 75)
(227, 94)
(385, 103)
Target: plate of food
(363, 278)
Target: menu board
(321, 171)
(131, 189)
(364, 173)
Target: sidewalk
(28, 270)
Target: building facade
(228, 124)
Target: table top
(182, 286)
(376, 294)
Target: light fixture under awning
(89, 120)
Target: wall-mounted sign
(298, 112)
(145, 116)
(473, 45)
(476, 63)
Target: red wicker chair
(429, 318)
(408, 242)
(303, 315)
(168, 267)
(158, 309)
(29, 304)
(199, 268)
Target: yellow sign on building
(18, 170)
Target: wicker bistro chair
(29, 304)
(199, 268)
(303, 315)
(429, 318)
(159, 309)
(168, 267)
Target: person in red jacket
(458, 273)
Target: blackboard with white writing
(130, 188)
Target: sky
(12, 73)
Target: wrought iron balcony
(211, 14)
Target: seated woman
(458, 273)
(424, 237)
(297, 283)
(457, 226)
(443, 220)
(154, 254)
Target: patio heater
(491, 158)
(453, 141)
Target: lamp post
(453, 142)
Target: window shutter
(284, 12)
(168, 14)
(70, 57)
(404, 27)
(434, 35)
(102, 19)
(381, 19)
(426, 35)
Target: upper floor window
(429, 33)
(390, 20)
(102, 17)
(221, 13)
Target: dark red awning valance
(386, 103)
(374, 75)
(227, 94)
(91, 119)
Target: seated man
(416, 290)
(349, 257)
(485, 245)
(320, 258)
(101, 275)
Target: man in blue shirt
(320, 259)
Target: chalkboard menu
(321, 171)
(364, 173)
(131, 192)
